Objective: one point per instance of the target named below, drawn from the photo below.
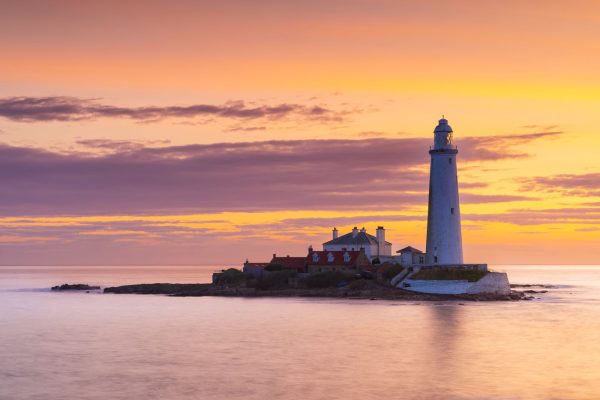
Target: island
(288, 283)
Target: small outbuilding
(410, 256)
(253, 268)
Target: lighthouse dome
(442, 126)
(442, 135)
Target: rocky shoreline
(374, 292)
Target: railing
(446, 147)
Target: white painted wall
(407, 258)
(492, 282)
(444, 239)
(370, 250)
(436, 287)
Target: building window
(452, 211)
(346, 257)
(435, 259)
(315, 257)
(330, 257)
(421, 260)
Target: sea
(108, 346)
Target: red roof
(288, 262)
(333, 257)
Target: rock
(533, 285)
(76, 286)
(189, 289)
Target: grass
(231, 276)
(327, 279)
(273, 280)
(444, 274)
(358, 284)
(393, 271)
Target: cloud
(119, 145)
(327, 222)
(500, 147)
(129, 177)
(542, 127)
(13, 239)
(496, 198)
(588, 229)
(65, 108)
(567, 215)
(117, 232)
(369, 134)
(584, 185)
(246, 128)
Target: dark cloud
(64, 108)
(369, 174)
(584, 185)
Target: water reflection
(55, 346)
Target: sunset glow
(207, 132)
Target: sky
(197, 132)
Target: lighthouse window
(449, 161)
(452, 211)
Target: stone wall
(492, 282)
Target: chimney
(310, 249)
(335, 233)
(354, 231)
(274, 255)
(380, 240)
(363, 230)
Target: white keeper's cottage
(373, 246)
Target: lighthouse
(444, 239)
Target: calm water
(95, 346)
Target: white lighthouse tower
(444, 239)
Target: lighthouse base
(455, 279)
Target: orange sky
(517, 80)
